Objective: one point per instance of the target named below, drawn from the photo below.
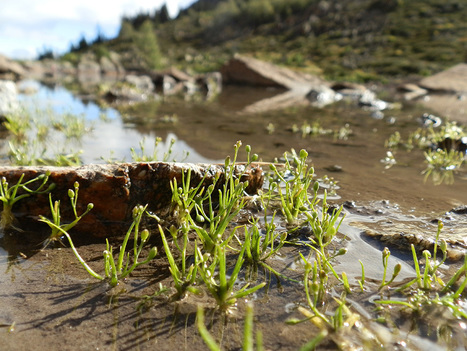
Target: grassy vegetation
(352, 40)
(364, 40)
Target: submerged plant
(427, 288)
(55, 224)
(297, 180)
(213, 218)
(143, 157)
(183, 274)
(115, 270)
(213, 271)
(248, 332)
(9, 195)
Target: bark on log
(114, 189)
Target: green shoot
(184, 277)
(56, 217)
(9, 195)
(203, 331)
(115, 271)
(397, 268)
(213, 271)
(120, 269)
(294, 197)
(248, 332)
(143, 157)
(361, 282)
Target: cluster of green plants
(209, 250)
(316, 129)
(444, 149)
(41, 137)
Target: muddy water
(47, 301)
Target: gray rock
(142, 83)
(322, 96)
(88, 67)
(211, 83)
(8, 97)
(170, 85)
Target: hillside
(344, 39)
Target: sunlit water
(208, 130)
(110, 138)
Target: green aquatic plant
(397, 268)
(185, 197)
(18, 124)
(115, 270)
(213, 218)
(213, 270)
(311, 129)
(260, 247)
(393, 141)
(167, 156)
(70, 125)
(442, 159)
(40, 136)
(55, 224)
(184, 275)
(442, 164)
(10, 195)
(297, 179)
(324, 224)
(427, 288)
(248, 332)
(120, 269)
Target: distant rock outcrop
(301, 88)
(247, 70)
(452, 80)
(10, 69)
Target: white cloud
(31, 25)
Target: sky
(27, 27)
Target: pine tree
(147, 45)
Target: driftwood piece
(114, 189)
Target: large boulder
(10, 69)
(247, 70)
(453, 80)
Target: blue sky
(28, 26)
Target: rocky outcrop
(10, 70)
(115, 189)
(300, 88)
(247, 70)
(453, 80)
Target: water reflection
(208, 131)
(111, 137)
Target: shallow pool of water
(49, 295)
(208, 131)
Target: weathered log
(115, 189)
